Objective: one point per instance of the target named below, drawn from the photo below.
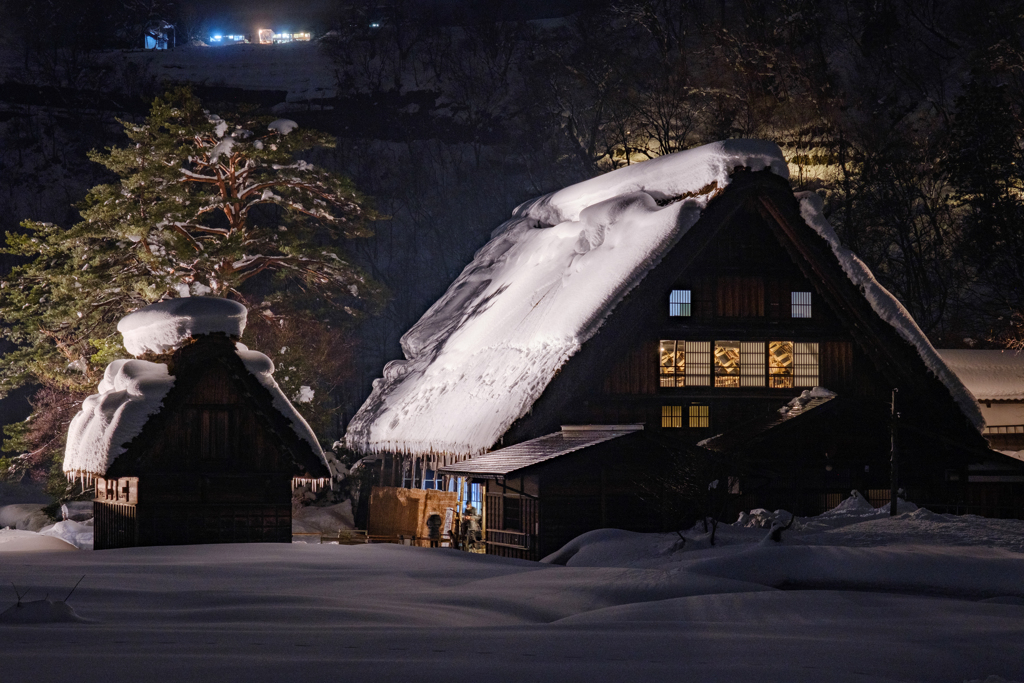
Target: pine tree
(204, 205)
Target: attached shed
(195, 443)
(542, 493)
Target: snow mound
(887, 306)
(16, 541)
(805, 397)
(545, 283)
(40, 612)
(166, 325)
(262, 368)
(78, 534)
(324, 520)
(282, 126)
(23, 516)
(130, 392)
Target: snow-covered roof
(166, 325)
(261, 367)
(535, 451)
(991, 375)
(888, 307)
(545, 283)
(132, 391)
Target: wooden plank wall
(637, 373)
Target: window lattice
(751, 364)
(805, 364)
(679, 303)
(698, 366)
(671, 417)
(780, 364)
(800, 304)
(672, 364)
(700, 416)
(727, 363)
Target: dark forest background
(906, 115)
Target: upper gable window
(800, 304)
(679, 303)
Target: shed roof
(744, 434)
(504, 461)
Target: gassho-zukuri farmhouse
(680, 337)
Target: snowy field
(849, 596)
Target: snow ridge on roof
(989, 374)
(888, 307)
(261, 367)
(166, 325)
(485, 351)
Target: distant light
(217, 37)
(375, 24)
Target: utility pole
(894, 462)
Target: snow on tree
(204, 205)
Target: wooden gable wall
(740, 266)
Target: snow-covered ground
(852, 595)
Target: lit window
(700, 416)
(800, 304)
(805, 364)
(780, 364)
(698, 365)
(671, 417)
(679, 303)
(751, 364)
(673, 363)
(727, 363)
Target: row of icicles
(86, 478)
(314, 483)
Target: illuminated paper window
(671, 417)
(780, 364)
(698, 364)
(751, 364)
(700, 416)
(727, 363)
(672, 363)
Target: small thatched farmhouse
(193, 441)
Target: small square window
(679, 303)
(671, 417)
(800, 304)
(700, 416)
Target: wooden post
(894, 463)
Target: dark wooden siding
(740, 296)
(835, 365)
(637, 373)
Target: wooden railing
(509, 539)
(359, 537)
